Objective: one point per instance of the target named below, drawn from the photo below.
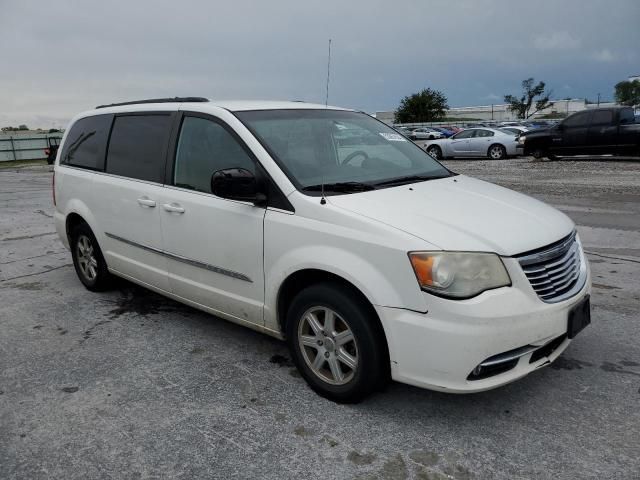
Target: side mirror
(237, 184)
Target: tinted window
(205, 146)
(86, 142)
(602, 117)
(626, 116)
(463, 134)
(138, 146)
(577, 120)
(483, 133)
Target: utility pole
(326, 99)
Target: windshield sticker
(393, 137)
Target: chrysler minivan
(324, 227)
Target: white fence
(26, 146)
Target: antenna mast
(326, 100)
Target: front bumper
(439, 349)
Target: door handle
(146, 202)
(173, 208)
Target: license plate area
(579, 317)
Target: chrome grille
(555, 272)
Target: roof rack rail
(158, 100)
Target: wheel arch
(301, 279)
(499, 144)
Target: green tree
(628, 93)
(425, 106)
(23, 127)
(521, 106)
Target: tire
(497, 152)
(538, 153)
(435, 151)
(88, 260)
(344, 363)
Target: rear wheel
(334, 343)
(435, 151)
(88, 261)
(497, 152)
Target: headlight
(521, 139)
(458, 274)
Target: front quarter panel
(370, 255)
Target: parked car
(52, 149)
(372, 261)
(404, 131)
(453, 128)
(589, 132)
(475, 142)
(445, 132)
(515, 129)
(422, 133)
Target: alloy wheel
(496, 152)
(86, 258)
(328, 345)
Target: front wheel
(334, 343)
(497, 152)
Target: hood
(464, 214)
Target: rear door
(603, 133)
(570, 138)
(628, 133)
(480, 142)
(128, 196)
(214, 246)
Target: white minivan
(327, 228)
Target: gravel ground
(127, 384)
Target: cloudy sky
(62, 57)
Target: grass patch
(22, 163)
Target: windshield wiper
(345, 187)
(410, 179)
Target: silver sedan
(475, 142)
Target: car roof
(204, 105)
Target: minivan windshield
(339, 151)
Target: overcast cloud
(62, 57)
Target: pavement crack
(37, 273)
(612, 257)
(26, 237)
(29, 258)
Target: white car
(370, 259)
(475, 142)
(515, 129)
(422, 133)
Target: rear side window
(86, 142)
(626, 116)
(580, 119)
(602, 117)
(203, 148)
(138, 146)
(483, 133)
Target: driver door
(460, 143)
(214, 246)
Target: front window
(338, 148)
